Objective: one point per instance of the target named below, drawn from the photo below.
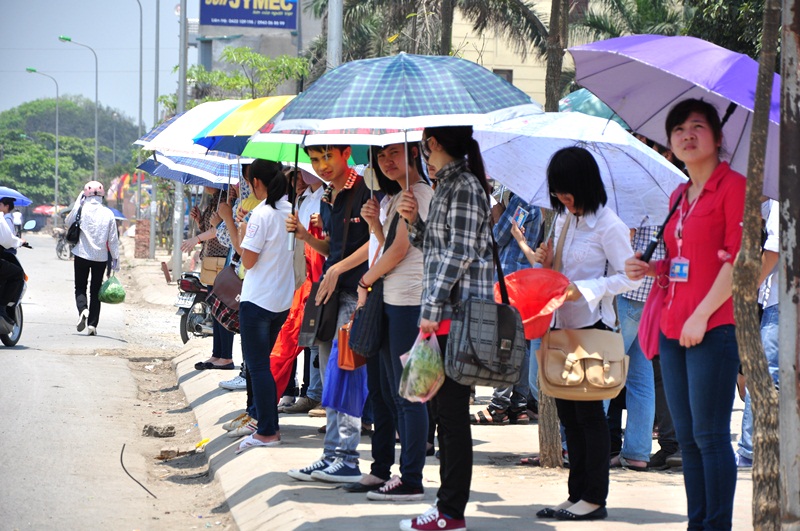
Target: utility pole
(789, 268)
(177, 228)
(153, 190)
(335, 21)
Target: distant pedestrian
(98, 244)
(16, 216)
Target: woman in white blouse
(596, 245)
(267, 294)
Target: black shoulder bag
(74, 232)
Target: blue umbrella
(583, 101)
(117, 214)
(403, 92)
(18, 198)
(159, 169)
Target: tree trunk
(446, 43)
(789, 266)
(764, 398)
(555, 57)
(549, 426)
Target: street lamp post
(139, 151)
(55, 199)
(153, 191)
(64, 38)
(114, 139)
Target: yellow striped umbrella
(232, 133)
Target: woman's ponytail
(270, 174)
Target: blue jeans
(259, 329)
(515, 396)
(700, 382)
(769, 338)
(314, 391)
(343, 431)
(411, 418)
(640, 400)
(223, 342)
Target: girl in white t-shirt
(401, 268)
(266, 294)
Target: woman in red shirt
(699, 353)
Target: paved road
(61, 422)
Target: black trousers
(83, 268)
(451, 408)
(13, 279)
(588, 446)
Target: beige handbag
(210, 267)
(585, 364)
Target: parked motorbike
(196, 318)
(63, 247)
(12, 338)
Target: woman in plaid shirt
(456, 245)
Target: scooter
(63, 247)
(12, 338)
(196, 318)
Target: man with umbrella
(346, 247)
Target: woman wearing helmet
(98, 244)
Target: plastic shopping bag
(536, 293)
(345, 391)
(423, 373)
(112, 292)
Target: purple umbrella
(642, 76)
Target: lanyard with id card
(679, 266)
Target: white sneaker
(234, 384)
(248, 429)
(238, 422)
(92, 331)
(82, 320)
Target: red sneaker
(431, 520)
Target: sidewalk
(504, 495)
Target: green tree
(251, 75)
(732, 24)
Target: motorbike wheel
(12, 339)
(184, 328)
(63, 250)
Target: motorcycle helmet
(94, 188)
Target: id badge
(679, 269)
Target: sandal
(519, 416)
(489, 416)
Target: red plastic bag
(536, 293)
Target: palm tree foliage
(614, 18)
(376, 28)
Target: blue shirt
(511, 256)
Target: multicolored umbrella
(232, 133)
(642, 77)
(637, 179)
(176, 136)
(403, 92)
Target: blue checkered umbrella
(403, 92)
(159, 169)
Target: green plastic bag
(112, 292)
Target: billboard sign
(279, 14)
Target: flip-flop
(251, 442)
(497, 418)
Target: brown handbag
(586, 364)
(210, 268)
(348, 359)
(228, 287)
